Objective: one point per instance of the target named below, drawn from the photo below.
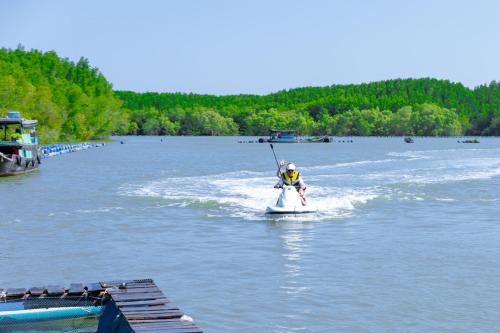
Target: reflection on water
(296, 238)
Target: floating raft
(129, 305)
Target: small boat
(471, 141)
(408, 139)
(49, 314)
(319, 139)
(290, 203)
(27, 312)
(282, 136)
(290, 136)
(19, 149)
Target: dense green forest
(74, 101)
(394, 107)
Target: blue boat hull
(40, 315)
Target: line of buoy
(64, 148)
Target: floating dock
(129, 306)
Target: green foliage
(394, 107)
(72, 102)
(208, 122)
(431, 120)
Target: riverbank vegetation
(74, 101)
(394, 107)
(71, 101)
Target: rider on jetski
(291, 177)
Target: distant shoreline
(74, 102)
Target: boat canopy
(18, 121)
(274, 131)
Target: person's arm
(278, 172)
(302, 184)
(279, 184)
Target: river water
(407, 237)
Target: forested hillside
(74, 101)
(394, 107)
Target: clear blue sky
(231, 47)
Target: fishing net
(51, 314)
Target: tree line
(74, 102)
(394, 107)
(71, 101)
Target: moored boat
(471, 141)
(283, 136)
(408, 139)
(19, 149)
(291, 136)
(319, 139)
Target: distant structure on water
(290, 136)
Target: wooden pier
(137, 305)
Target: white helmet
(290, 166)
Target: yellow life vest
(291, 181)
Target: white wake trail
(245, 195)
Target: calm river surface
(407, 238)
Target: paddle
(277, 163)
